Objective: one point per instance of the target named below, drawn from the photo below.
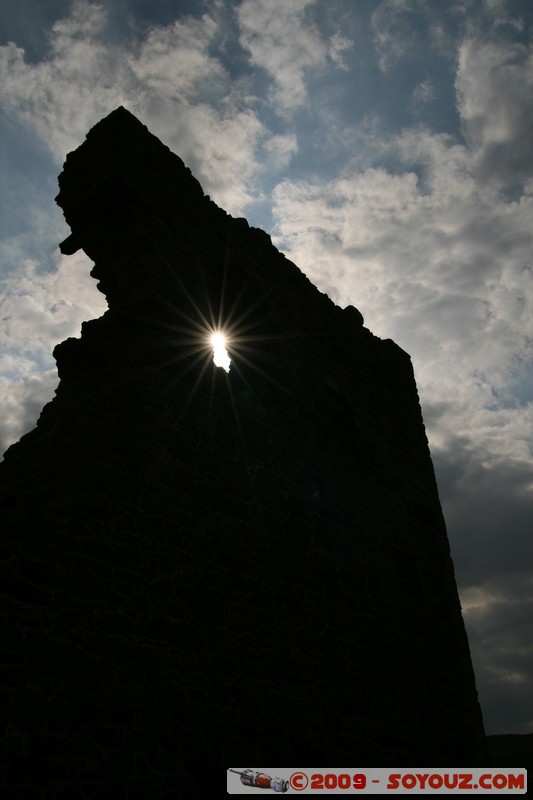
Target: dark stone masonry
(206, 568)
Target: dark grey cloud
(488, 509)
(498, 620)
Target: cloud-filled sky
(386, 145)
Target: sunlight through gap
(220, 354)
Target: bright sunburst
(220, 354)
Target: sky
(386, 146)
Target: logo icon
(261, 781)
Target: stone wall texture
(207, 568)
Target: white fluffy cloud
(281, 148)
(39, 310)
(78, 83)
(438, 263)
(169, 79)
(285, 43)
(175, 62)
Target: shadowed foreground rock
(209, 568)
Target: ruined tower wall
(226, 566)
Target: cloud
(423, 93)
(219, 147)
(281, 148)
(336, 46)
(434, 260)
(498, 619)
(65, 94)
(394, 35)
(22, 400)
(282, 40)
(488, 505)
(187, 98)
(174, 61)
(38, 310)
(440, 39)
(168, 78)
(495, 92)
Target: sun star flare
(220, 354)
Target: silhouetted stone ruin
(208, 568)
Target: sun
(221, 357)
(218, 339)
